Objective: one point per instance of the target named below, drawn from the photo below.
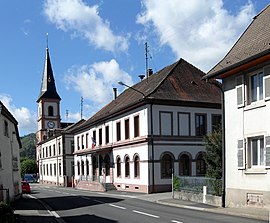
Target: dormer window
(50, 110)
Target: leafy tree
(28, 149)
(28, 166)
(213, 154)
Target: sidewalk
(249, 212)
(31, 210)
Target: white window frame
(259, 88)
(260, 147)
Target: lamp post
(123, 84)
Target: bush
(176, 183)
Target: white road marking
(194, 208)
(143, 213)
(101, 202)
(55, 214)
(174, 221)
(116, 206)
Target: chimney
(141, 76)
(150, 72)
(115, 92)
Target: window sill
(255, 105)
(256, 171)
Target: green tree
(213, 154)
(28, 166)
(28, 149)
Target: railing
(195, 184)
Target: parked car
(29, 178)
(26, 189)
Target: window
(118, 131)
(200, 165)
(54, 169)
(185, 165)
(136, 126)
(118, 167)
(256, 87)
(60, 169)
(46, 151)
(50, 169)
(86, 140)
(82, 166)
(78, 142)
(94, 139)
(87, 167)
(54, 149)
(136, 166)
(107, 165)
(100, 136)
(127, 169)
(6, 129)
(166, 166)
(72, 168)
(216, 122)
(79, 166)
(44, 170)
(50, 111)
(200, 124)
(184, 124)
(59, 148)
(94, 164)
(166, 123)
(82, 141)
(50, 151)
(47, 169)
(256, 152)
(127, 129)
(107, 132)
(72, 146)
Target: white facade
(10, 175)
(55, 160)
(247, 108)
(163, 131)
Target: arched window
(94, 164)
(118, 167)
(137, 166)
(107, 165)
(184, 165)
(166, 166)
(87, 167)
(78, 165)
(82, 164)
(127, 170)
(200, 165)
(50, 110)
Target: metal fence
(195, 184)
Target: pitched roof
(253, 43)
(5, 112)
(179, 82)
(48, 89)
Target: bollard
(204, 194)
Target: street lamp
(123, 84)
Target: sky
(93, 44)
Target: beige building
(10, 144)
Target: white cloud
(199, 31)
(95, 82)
(82, 20)
(27, 120)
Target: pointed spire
(48, 88)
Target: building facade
(54, 146)
(10, 144)
(245, 74)
(135, 142)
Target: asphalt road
(69, 205)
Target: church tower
(48, 103)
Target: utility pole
(81, 107)
(146, 61)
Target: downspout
(152, 148)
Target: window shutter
(267, 151)
(266, 72)
(240, 91)
(241, 154)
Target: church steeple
(48, 88)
